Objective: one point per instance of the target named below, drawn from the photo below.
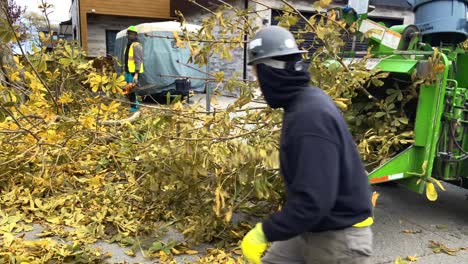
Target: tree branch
(29, 61)
(224, 41)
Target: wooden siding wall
(128, 8)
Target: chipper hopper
(440, 148)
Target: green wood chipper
(440, 148)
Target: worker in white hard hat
(327, 216)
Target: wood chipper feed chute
(440, 124)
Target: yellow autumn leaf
(178, 106)
(65, 98)
(178, 42)
(88, 121)
(412, 258)
(95, 182)
(191, 252)
(399, 260)
(53, 220)
(325, 3)
(228, 215)
(439, 68)
(130, 253)
(15, 76)
(431, 192)
(341, 105)
(439, 184)
(42, 36)
(175, 251)
(375, 196)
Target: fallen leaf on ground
(399, 260)
(438, 247)
(408, 231)
(412, 258)
(130, 253)
(375, 196)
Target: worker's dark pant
(131, 96)
(348, 246)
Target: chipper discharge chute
(440, 115)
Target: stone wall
(231, 68)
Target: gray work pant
(348, 246)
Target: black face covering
(281, 86)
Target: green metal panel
(398, 164)
(397, 65)
(436, 115)
(418, 160)
(424, 115)
(462, 70)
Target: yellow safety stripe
(368, 222)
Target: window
(351, 42)
(110, 41)
(389, 22)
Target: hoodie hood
(281, 86)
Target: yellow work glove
(254, 244)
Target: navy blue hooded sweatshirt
(326, 184)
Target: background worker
(133, 64)
(327, 215)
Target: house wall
(388, 12)
(131, 8)
(150, 9)
(98, 24)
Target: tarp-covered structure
(162, 58)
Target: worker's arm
(312, 191)
(138, 57)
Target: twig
(201, 6)
(19, 124)
(17, 156)
(299, 13)
(237, 11)
(193, 68)
(262, 4)
(12, 132)
(339, 59)
(204, 79)
(199, 40)
(131, 119)
(222, 138)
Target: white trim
(169, 26)
(396, 176)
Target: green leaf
(377, 82)
(403, 120)
(380, 114)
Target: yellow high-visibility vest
(131, 60)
